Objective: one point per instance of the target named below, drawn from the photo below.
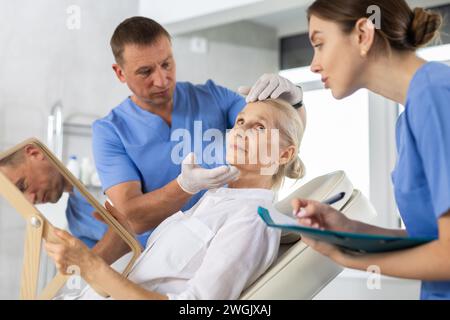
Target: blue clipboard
(359, 242)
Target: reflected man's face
(36, 177)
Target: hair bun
(424, 27)
(296, 170)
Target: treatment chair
(300, 272)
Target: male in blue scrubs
(133, 145)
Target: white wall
(237, 54)
(43, 61)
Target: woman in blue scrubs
(377, 51)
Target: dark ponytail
(401, 29)
(424, 28)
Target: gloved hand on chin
(194, 178)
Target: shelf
(83, 130)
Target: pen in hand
(330, 201)
(334, 199)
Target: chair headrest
(318, 189)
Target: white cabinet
(171, 11)
(180, 16)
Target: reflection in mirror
(53, 191)
(43, 185)
(33, 174)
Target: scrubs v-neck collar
(155, 121)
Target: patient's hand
(119, 216)
(71, 255)
(111, 247)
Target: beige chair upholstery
(300, 272)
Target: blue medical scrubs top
(81, 222)
(422, 175)
(132, 144)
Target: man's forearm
(147, 211)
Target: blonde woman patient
(220, 246)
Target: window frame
(382, 152)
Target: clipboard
(38, 228)
(357, 242)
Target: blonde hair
(291, 128)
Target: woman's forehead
(319, 27)
(259, 109)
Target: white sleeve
(239, 253)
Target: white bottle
(86, 171)
(74, 166)
(95, 180)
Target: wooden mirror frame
(39, 228)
